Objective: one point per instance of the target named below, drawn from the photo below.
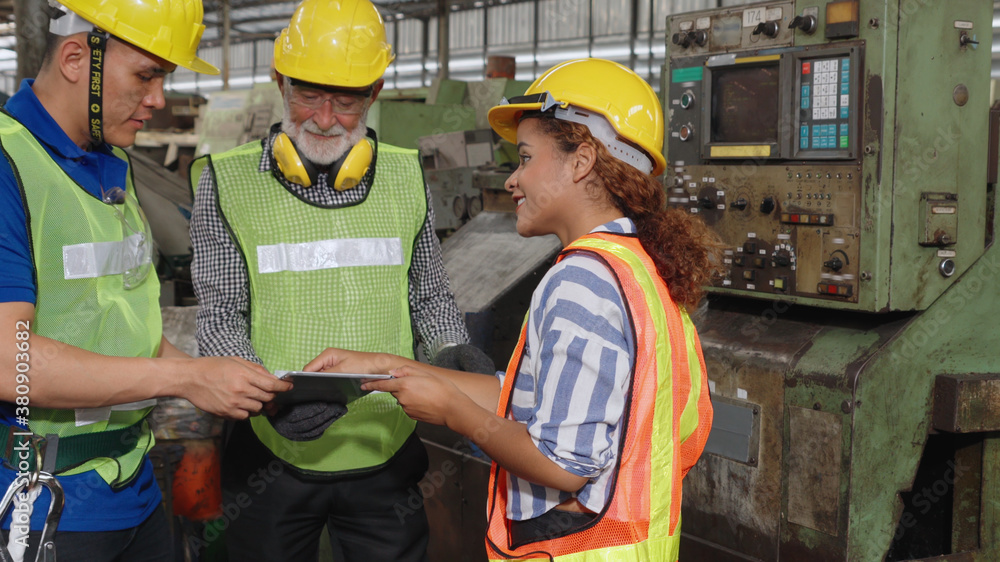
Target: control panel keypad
(825, 101)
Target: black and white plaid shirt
(222, 284)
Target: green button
(843, 142)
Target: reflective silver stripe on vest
(97, 259)
(87, 416)
(329, 254)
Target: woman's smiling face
(541, 186)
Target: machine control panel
(791, 230)
(843, 163)
(793, 103)
(753, 27)
(763, 140)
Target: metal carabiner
(47, 546)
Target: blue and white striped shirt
(573, 381)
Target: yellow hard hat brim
(200, 66)
(504, 118)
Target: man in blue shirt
(79, 313)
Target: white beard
(323, 151)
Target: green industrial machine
(459, 163)
(846, 154)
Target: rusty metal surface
(733, 505)
(967, 403)
(764, 333)
(693, 548)
(968, 497)
(994, 150)
(750, 348)
(814, 460)
(874, 116)
(776, 355)
(961, 557)
(453, 493)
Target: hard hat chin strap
(64, 22)
(98, 41)
(604, 132)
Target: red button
(805, 68)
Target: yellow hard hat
(169, 29)
(334, 43)
(577, 87)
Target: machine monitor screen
(745, 104)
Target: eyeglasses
(137, 238)
(344, 103)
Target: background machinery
(846, 153)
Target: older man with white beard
(320, 236)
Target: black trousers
(150, 541)
(276, 513)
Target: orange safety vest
(664, 428)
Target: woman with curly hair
(604, 406)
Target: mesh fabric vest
(664, 427)
(95, 313)
(296, 314)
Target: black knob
(769, 28)
(740, 204)
(682, 39)
(782, 258)
(767, 205)
(699, 37)
(834, 264)
(706, 202)
(806, 23)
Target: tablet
(342, 388)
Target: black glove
(306, 421)
(465, 357)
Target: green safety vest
(327, 277)
(76, 241)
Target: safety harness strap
(17, 445)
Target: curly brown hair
(687, 254)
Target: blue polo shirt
(91, 505)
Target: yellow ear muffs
(349, 170)
(291, 165)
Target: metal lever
(805, 23)
(47, 546)
(965, 40)
(768, 28)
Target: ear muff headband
(346, 172)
